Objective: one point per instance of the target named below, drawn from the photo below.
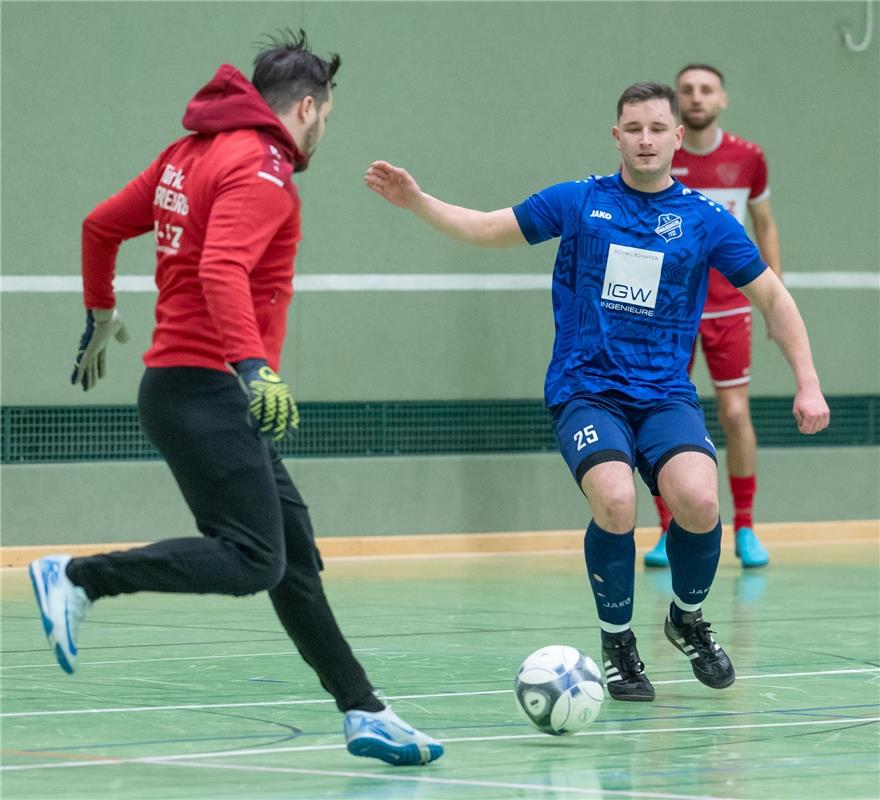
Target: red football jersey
(733, 173)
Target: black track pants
(257, 534)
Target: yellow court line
(776, 533)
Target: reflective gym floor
(202, 697)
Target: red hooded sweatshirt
(225, 216)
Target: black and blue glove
(91, 358)
(269, 398)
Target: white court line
(497, 738)
(582, 791)
(261, 704)
(183, 658)
(412, 282)
(151, 660)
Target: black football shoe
(694, 638)
(624, 672)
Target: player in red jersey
(733, 172)
(224, 213)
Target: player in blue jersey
(629, 284)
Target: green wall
(66, 504)
(484, 102)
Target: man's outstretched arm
(484, 228)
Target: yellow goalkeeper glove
(269, 398)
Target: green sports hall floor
(201, 697)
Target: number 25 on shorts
(585, 436)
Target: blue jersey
(630, 281)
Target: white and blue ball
(559, 690)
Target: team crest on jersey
(728, 173)
(668, 226)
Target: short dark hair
(642, 92)
(286, 71)
(707, 67)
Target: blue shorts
(592, 429)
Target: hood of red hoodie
(229, 102)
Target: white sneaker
(384, 735)
(62, 604)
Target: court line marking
(319, 701)
(412, 282)
(582, 791)
(497, 738)
(151, 660)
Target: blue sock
(611, 559)
(693, 562)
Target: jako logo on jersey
(668, 226)
(601, 214)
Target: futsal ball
(559, 690)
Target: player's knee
(615, 508)
(274, 573)
(733, 414)
(698, 510)
(264, 570)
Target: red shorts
(727, 344)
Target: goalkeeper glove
(91, 359)
(272, 405)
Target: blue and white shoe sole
(403, 755)
(47, 622)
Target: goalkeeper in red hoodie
(225, 216)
